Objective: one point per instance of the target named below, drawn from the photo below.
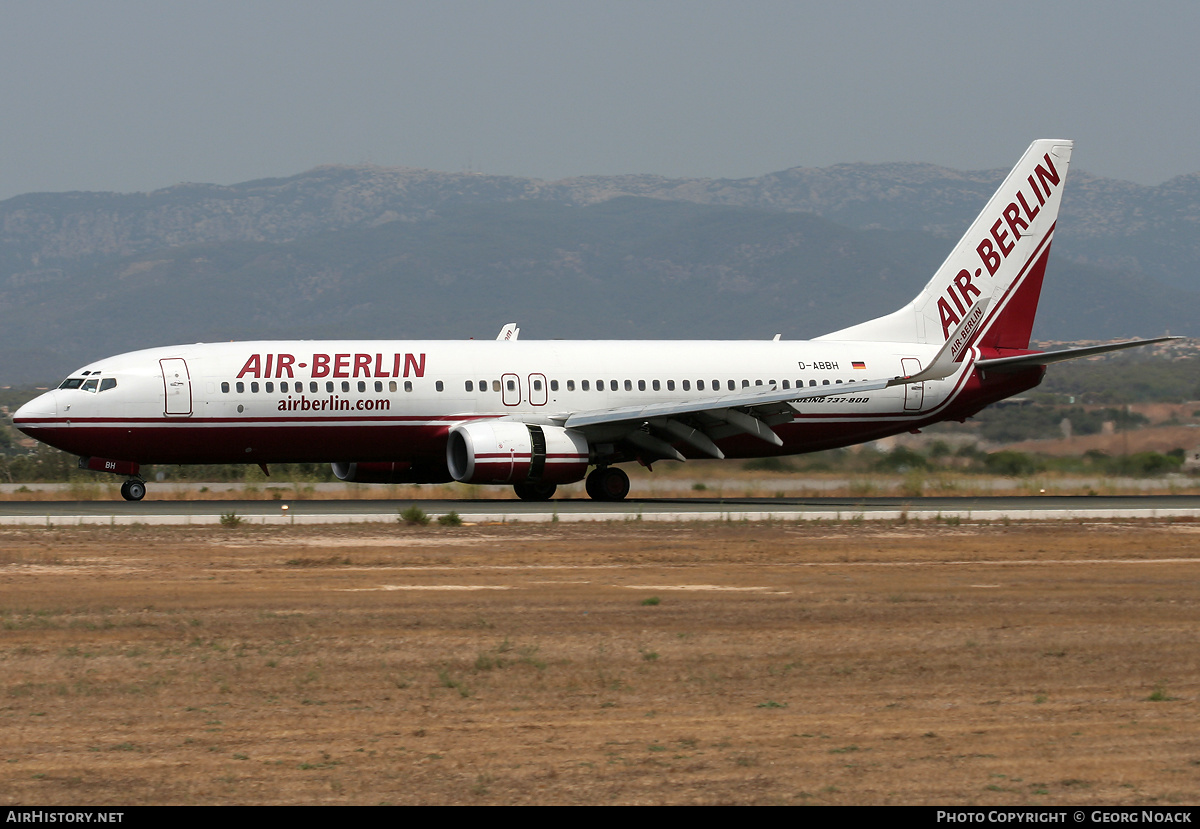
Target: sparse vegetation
(413, 516)
(450, 519)
(409, 666)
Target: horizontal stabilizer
(1045, 358)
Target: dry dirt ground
(608, 663)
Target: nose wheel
(133, 490)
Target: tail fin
(1002, 257)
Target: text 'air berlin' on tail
(1002, 257)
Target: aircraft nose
(39, 408)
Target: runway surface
(1023, 508)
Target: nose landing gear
(133, 490)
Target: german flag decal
(858, 364)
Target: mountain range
(402, 253)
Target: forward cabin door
(177, 387)
(914, 393)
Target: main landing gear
(607, 483)
(133, 490)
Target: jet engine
(506, 452)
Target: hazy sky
(133, 96)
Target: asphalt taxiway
(993, 508)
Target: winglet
(949, 357)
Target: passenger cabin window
(345, 386)
(362, 385)
(225, 387)
(699, 385)
(687, 385)
(392, 385)
(612, 385)
(241, 387)
(312, 387)
(329, 386)
(641, 385)
(408, 385)
(254, 388)
(657, 386)
(553, 385)
(495, 385)
(470, 386)
(378, 385)
(571, 385)
(439, 385)
(670, 385)
(537, 385)
(732, 385)
(270, 387)
(584, 385)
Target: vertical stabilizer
(1002, 257)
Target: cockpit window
(91, 383)
(108, 383)
(71, 383)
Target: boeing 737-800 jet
(537, 414)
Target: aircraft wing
(699, 423)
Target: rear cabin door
(177, 387)
(914, 393)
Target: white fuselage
(271, 402)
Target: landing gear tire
(607, 484)
(133, 490)
(535, 492)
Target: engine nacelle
(379, 472)
(506, 452)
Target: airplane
(534, 415)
